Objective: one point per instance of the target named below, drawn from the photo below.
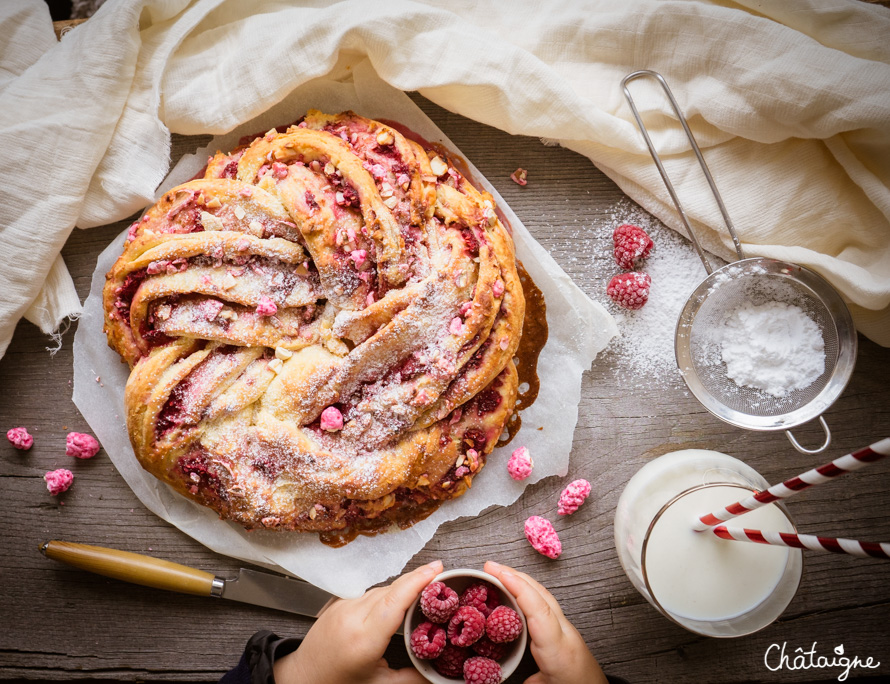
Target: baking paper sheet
(579, 329)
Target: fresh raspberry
(520, 464)
(451, 662)
(19, 438)
(630, 290)
(573, 496)
(632, 246)
(81, 445)
(503, 625)
(482, 596)
(466, 626)
(58, 481)
(481, 670)
(541, 535)
(488, 649)
(428, 640)
(438, 602)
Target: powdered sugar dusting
(644, 347)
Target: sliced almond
(329, 169)
(229, 281)
(211, 222)
(162, 313)
(391, 202)
(438, 166)
(214, 203)
(256, 228)
(385, 137)
(282, 353)
(239, 213)
(276, 365)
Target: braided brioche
(320, 330)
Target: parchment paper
(579, 329)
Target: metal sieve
(757, 280)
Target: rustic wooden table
(63, 624)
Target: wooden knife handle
(131, 567)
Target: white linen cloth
(790, 100)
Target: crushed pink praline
(58, 481)
(331, 419)
(456, 327)
(573, 496)
(520, 464)
(81, 445)
(543, 538)
(279, 170)
(20, 439)
(498, 288)
(266, 307)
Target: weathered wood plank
(66, 624)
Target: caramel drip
(534, 337)
(370, 528)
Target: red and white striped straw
(805, 541)
(824, 473)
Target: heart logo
(839, 650)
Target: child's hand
(557, 647)
(346, 644)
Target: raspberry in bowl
(464, 605)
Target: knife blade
(257, 588)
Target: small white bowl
(459, 580)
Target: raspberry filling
(195, 469)
(187, 402)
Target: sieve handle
(803, 450)
(667, 181)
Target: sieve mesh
(728, 291)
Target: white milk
(698, 575)
(710, 586)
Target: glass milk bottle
(708, 585)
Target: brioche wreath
(320, 330)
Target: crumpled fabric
(789, 99)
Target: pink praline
(80, 445)
(20, 439)
(331, 419)
(266, 307)
(573, 496)
(543, 538)
(520, 464)
(58, 481)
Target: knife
(257, 588)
